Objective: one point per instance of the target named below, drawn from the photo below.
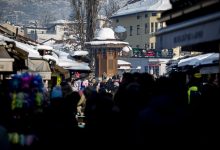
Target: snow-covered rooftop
(32, 53)
(124, 67)
(3, 38)
(49, 57)
(44, 47)
(126, 49)
(120, 29)
(122, 62)
(64, 60)
(67, 62)
(79, 53)
(61, 21)
(106, 42)
(143, 6)
(105, 34)
(28, 48)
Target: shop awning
(40, 66)
(190, 32)
(6, 62)
(204, 59)
(63, 71)
(124, 67)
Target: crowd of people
(137, 111)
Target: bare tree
(47, 17)
(79, 17)
(92, 13)
(110, 7)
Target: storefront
(6, 62)
(41, 67)
(201, 30)
(192, 26)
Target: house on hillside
(33, 32)
(58, 30)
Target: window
(154, 14)
(152, 45)
(117, 20)
(137, 46)
(152, 27)
(145, 28)
(138, 29)
(138, 17)
(131, 30)
(146, 15)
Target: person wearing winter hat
(56, 92)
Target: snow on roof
(28, 48)
(67, 62)
(126, 49)
(61, 54)
(120, 29)
(122, 62)
(44, 47)
(199, 60)
(32, 53)
(3, 38)
(78, 67)
(61, 21)
(72, 64)
(48, 57)
(79, 53)
(124, 67)
(106, 42)
(142, 6)
(105, 34)
(2, 43)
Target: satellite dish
(121, 32)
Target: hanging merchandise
(26, 96)
(26, 91)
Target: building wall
(43, 35)
(142, 37)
